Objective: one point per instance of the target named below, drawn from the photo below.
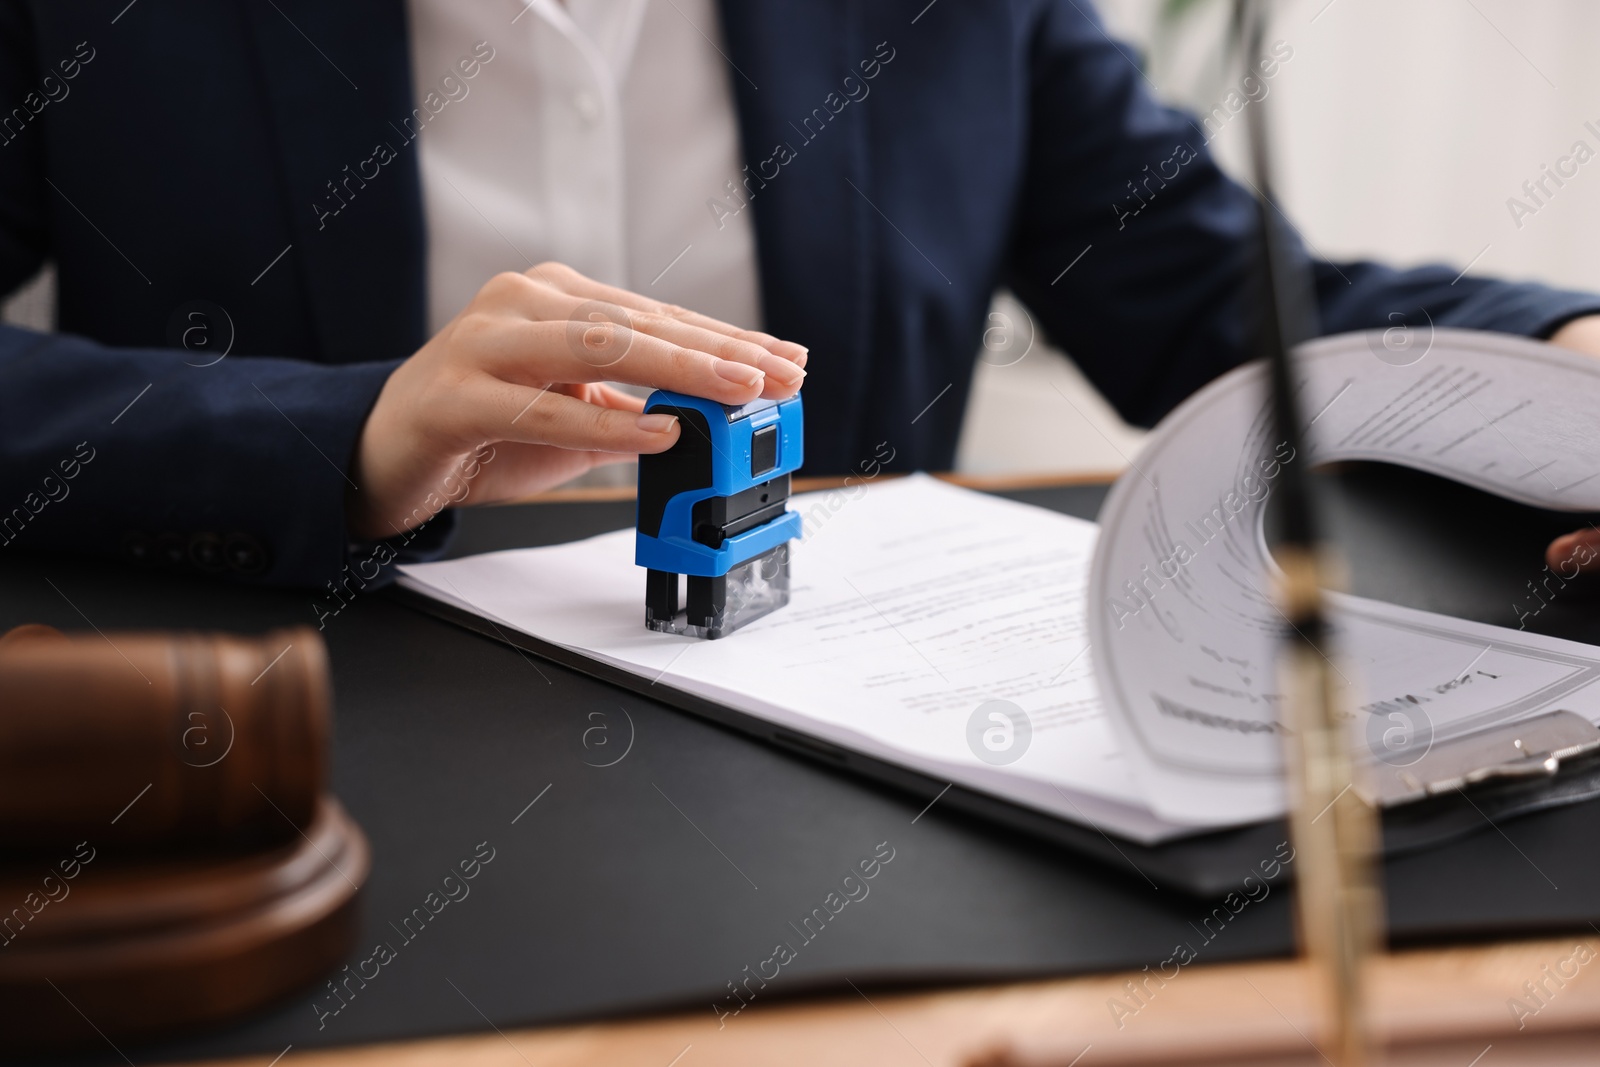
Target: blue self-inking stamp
(713, 510)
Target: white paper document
(913, 603)
(1141, 653)
(1184, 626)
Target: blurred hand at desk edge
(1579, 551)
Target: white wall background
(1402, 127)
(1401, 130)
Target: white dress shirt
(594, 134)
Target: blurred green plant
(1173, 11)
(1174, 21)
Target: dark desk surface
(654, 882)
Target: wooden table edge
(1425, 1000)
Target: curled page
(1183, 624)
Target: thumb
(1575, 552)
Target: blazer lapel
(337, 81)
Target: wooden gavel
(172, 858)
(141, 739)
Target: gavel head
(146, 738)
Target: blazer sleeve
(238, 469)
(1157, 305)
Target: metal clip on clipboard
(1534, 748)
(1455, 787)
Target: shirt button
(587, 105)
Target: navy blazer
(174, 161)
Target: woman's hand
(509, 398)
(1578, 551)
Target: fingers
(564, 278)
(504, 411)
(602, 335)
(603, 395)
(1575, 553)
(783, 378)
(535, 353)
(600, 331)
(606, 396)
